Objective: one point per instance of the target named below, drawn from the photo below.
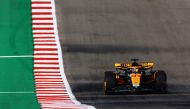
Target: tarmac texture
(97, 33)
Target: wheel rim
(105, 85)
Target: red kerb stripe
(43, 33)
(38, 74)
(47, 63)
(43, 37)
(42, 28)
(46, 72)
(42, 23)
(41, 7)
(46, 67)
(54, 85)
(44, 44)
(50, 87)
(52, 97)
(42, 18)
(42, 80)
(44, 41)
(41, 13)
(52, 54)
(50, 92)
(41, 2)
(45, 58)
(45, 49)
(49, 83)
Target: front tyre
(109, 82)
(161, 81)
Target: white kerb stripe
(44, 43)
(49, 77)
(44, 56)
(43, 39)
(39, 65)
(41, 10)
(42, 16)
(41, 35)
(51, 94)
(45, 47)
(46, 73)
(42, 21)
(46, 31)
(35, 52)
(42, 26)
(51, 70)
(41, 5)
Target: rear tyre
(161, 82)
(109, 82)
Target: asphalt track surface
(97, 33)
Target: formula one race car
(135, 77)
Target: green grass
(16, 74)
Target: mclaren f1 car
(135, 77)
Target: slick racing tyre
(109, 82)
(160, 82)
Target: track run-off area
(16, 56)
(32, 70)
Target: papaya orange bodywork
(135, 79)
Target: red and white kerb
(52, 88)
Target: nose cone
(135, 79)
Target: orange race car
(135, 77)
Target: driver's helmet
(134, 69)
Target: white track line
(19, 56)
(16, 92)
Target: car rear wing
(146, 65)
(119, 65)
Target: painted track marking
(17, 92)
(19, 56)
(52, 88)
